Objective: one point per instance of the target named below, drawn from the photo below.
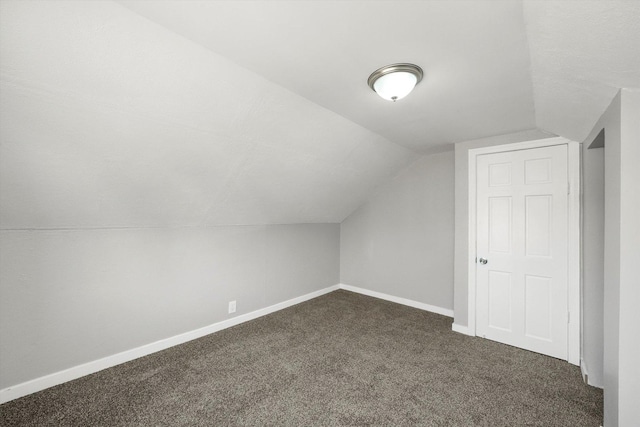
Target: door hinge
(568, 188)
(568, 317)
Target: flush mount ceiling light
(393, 82)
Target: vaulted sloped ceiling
(492, 66)
(474, 53)
(582, 52)
(110, 120)
(172, 113)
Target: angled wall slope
(142, 181)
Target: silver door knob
(483, 261)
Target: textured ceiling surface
(186, 113)
(109, 120)
(474, 53)
(581, 53)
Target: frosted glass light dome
(396, 81)
(395, 86)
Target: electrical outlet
(232, 307)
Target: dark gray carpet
(341, 359)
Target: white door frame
(573, 215)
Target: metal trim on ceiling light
(394, 68)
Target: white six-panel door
(521, 274)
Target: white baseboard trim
(403, 301)
(461, 329)
(38, 384)
(584, 371)
(593, 381)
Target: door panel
(500, 224)
(522, 231)
(500, 300)
(538, 212)
(538, 307)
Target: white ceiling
(474, 53)
(582, 52)
(109, 120)
(492, 67)
(186, 113)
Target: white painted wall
(593, 262)
(610, 122)
(621, 328)
(69, 297)
(461, 255)
(400, 242)
(629, 333)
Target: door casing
(573, 243)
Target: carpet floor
(340, 359)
